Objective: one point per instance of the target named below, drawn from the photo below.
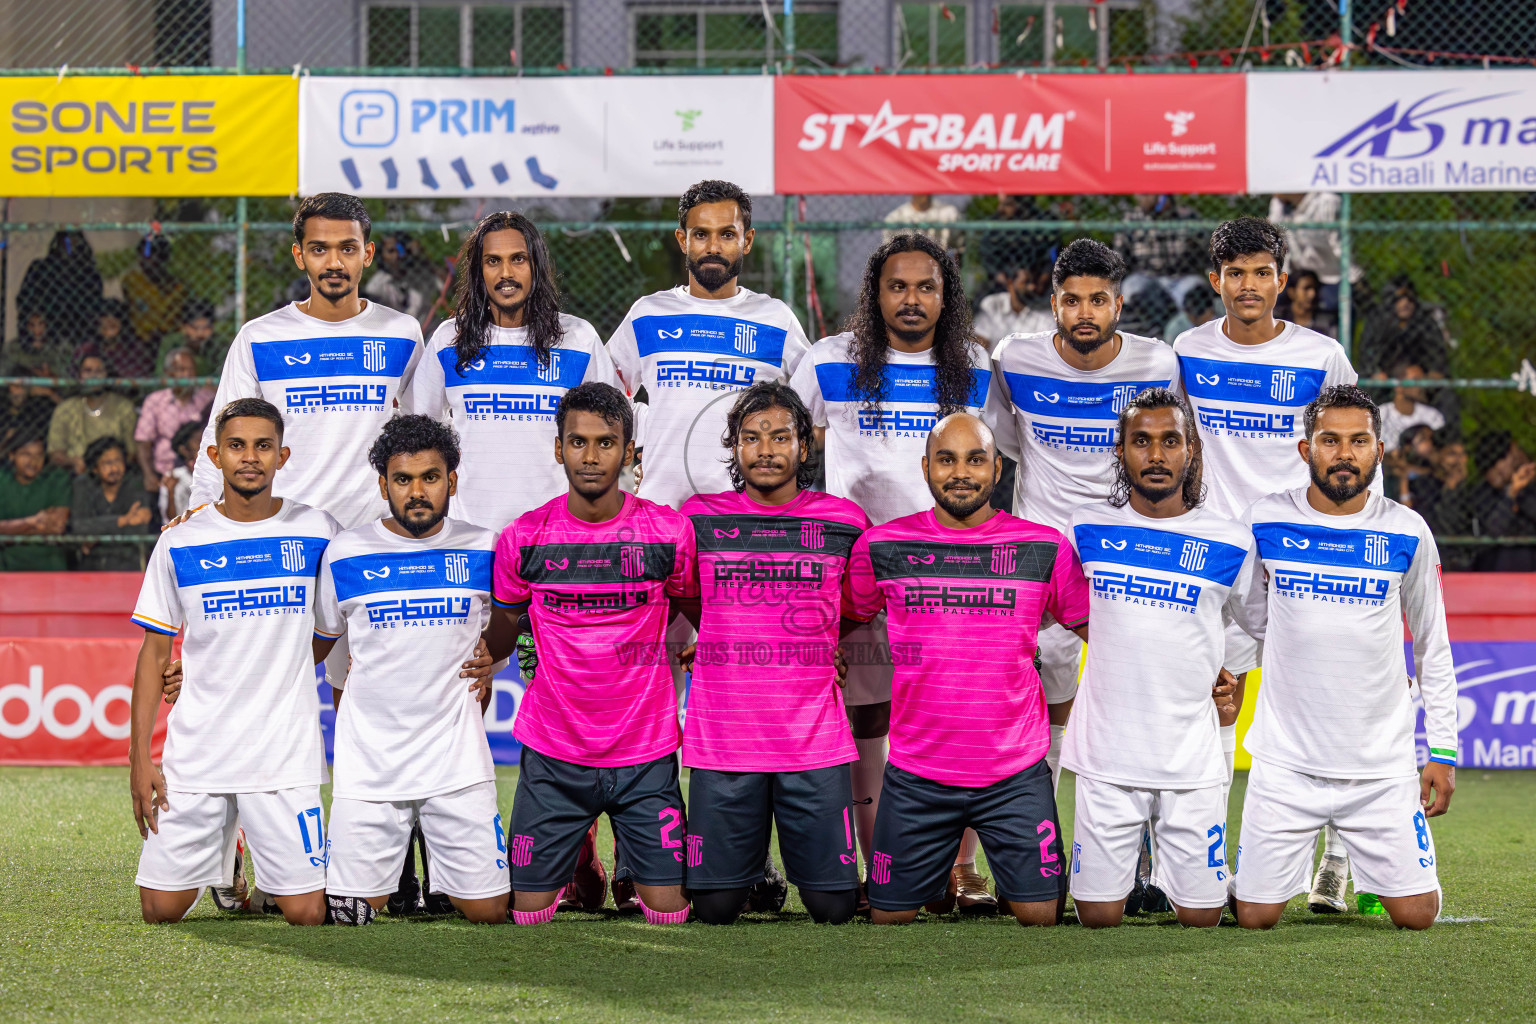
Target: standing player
(1144, 739)
(1332, 737)
(1248, 376)
(693, 347)
(766, 736)
(498, 368)
(595, 570)
(1064, 390)
(876, 391)
(241, 579)
(966, 585)
(413, 591)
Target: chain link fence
(1434, 294)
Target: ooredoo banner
(441, 137)
(66, 701)
(187, 135)
(1010, 133)
(1393, 131)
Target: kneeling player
(412, 593)
(594, 569)
(766, 735)
(1144, 737)
(964, 588)
(1332, 736)
(241, 578)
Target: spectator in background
(1299, 304)
(196, 336)
(65, 287)
(153, 295)
(1167, 255)
(176, 486)
(163, 414)
(1505, 502)
(1443, 498)
(1314, 248)
(35, 353)
(108, 498)
(1018, 310)
(34, 500)
(116, 344)
(95, 412)
(922, 209)
(1407, 406)
(24, 414)
(1412, 458)
(1402, 330)
(1003, 252)
(1198, 307)
(402, 279)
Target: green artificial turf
(72, 947)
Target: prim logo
(730, 534)
(556, 566)
(1192, 558)
(920, 560)
(1005, 559)
(746, 339)
(1122, 397)
(217, 563)
(456, 567)
(812, 535)
(1376, 547)
(1282, 385)
(373, 356)
(550, 371)
(293, 556)
(632, 561)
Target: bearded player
(1144, 739)
(766, 737)
(964, 583)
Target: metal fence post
(1346, 267)
(788, 286)
(789, 33)
(240, 36)
(242, 253)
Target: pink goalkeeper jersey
(764, 696)
(597, 596)
(963, 608)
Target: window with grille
(728, 36)
(426, 34)
(1057, 32)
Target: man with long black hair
(766, 738)
(497, 370)
(907, 359)
(1144, 738)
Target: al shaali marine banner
(184, 135)
(619, 136)
(1392, 131)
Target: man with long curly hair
(907, 359)
(1144, 738)
(498, 369)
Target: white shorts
(196, 841)
(1380, 822)
(1061, 653)
(466, 845)
(1243, 653)
(868, 652)
(1189, 831)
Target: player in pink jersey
(766, 735)
(966, 584)
(594, 571)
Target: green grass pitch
(72, 947)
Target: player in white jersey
(1333, 726)
(875, 392)
(498, 368)
(1144, 738)
(240, 579)
(413, 591)
(695, 346)
(1248, 377)
(1063, 390)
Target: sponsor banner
(66, 701)
(1392, 131)
(439, 137)
(188, 135)
(1010, 133)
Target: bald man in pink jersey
(965, 588)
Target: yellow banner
(178, 135)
